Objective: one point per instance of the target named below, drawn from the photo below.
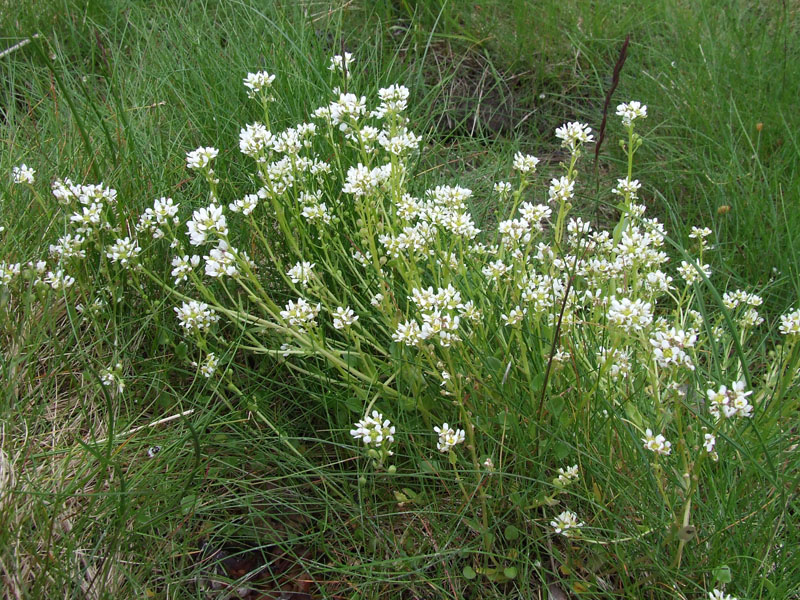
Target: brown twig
(623, 54)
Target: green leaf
(562, 450)
(511, 533)
(469, 573)
(495, 366)
(722, 574)
(510, 572)
(354, 405)
(187, 503)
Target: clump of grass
(94, 509)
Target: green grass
(118, 91)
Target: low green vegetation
(338, 300)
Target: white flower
(7, 271)
(183, 265)
(790, 323)
(630, 315)
(246, 205)
(729, 403)
(573, 135)
(258, 83)
(657, 443)
(631, 111)
(502, 188)
(627, 188)
(301, 272)
(316, 212)
(689, 272)
(394, 101)
(58, 280)
(69, 246)
(514, 316)
(209, 366)
(123, 251)
(720, 595)
(376, 299)
(196, 316)
(344, 317)
(339, 62)
(221, 261)
(561, 189)
(709, 441)
(201, 157)
(408, 333)
(566, 523)
(524, 163)
(300, 314)
(568, 475)
(255, 140)
(374, 430)
(23, 174)
(700, 233)
(448, 437)
(113, 377)
(206, 221)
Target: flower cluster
(374, 430)
(23, 174)
(730, 403)
(566, 524)
(196, 316)
(449, 438)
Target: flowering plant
(338, 264)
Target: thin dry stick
(18, 45)
(623, 54)
(153, 424)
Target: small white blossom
(448, 437)
(201, 157)
(344, 317)
(627, 188)
(374, 430)
(113, 378)
(561, 190)
(568, 475)
(205, 221)
(524, 163)
(23, 174)
(300, 314)
(408, 333)
(209, 365)
(631, 111)
(656, 443)
(790, 323)
(718, 594)
(183, 265)
(258, 83)
(689, 272)
(301, 272)
(566, 523)
(339, 62)
(196, 316)
(573, 135)
(58, 280)
(7, 271)
(123, 251)
(246, 205)
(729, 403)
(502, 188)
